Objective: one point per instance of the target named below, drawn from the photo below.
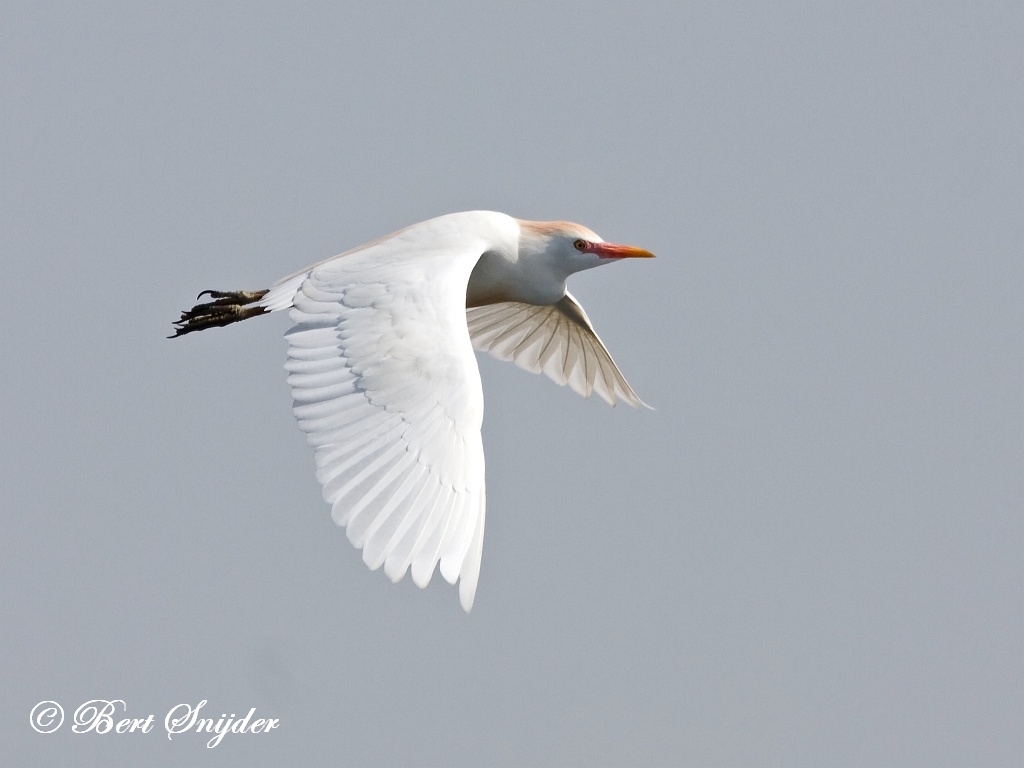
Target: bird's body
(386, 385)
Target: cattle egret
(385, 383)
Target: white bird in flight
(386, 385)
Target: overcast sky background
(810, 554)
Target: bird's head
(572, 247)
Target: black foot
(227, 307)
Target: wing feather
(424, 563)
(430, 536)
(558, 340)
(405, 542)
(379, 530)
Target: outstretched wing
(387, 390)
(558, 340)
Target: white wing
(558, 340)
(387, 389)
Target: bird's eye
(580, 245)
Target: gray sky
(810, 554)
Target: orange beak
(613, 251)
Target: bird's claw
(227, 307)
(223, 298)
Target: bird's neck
(525, 274)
